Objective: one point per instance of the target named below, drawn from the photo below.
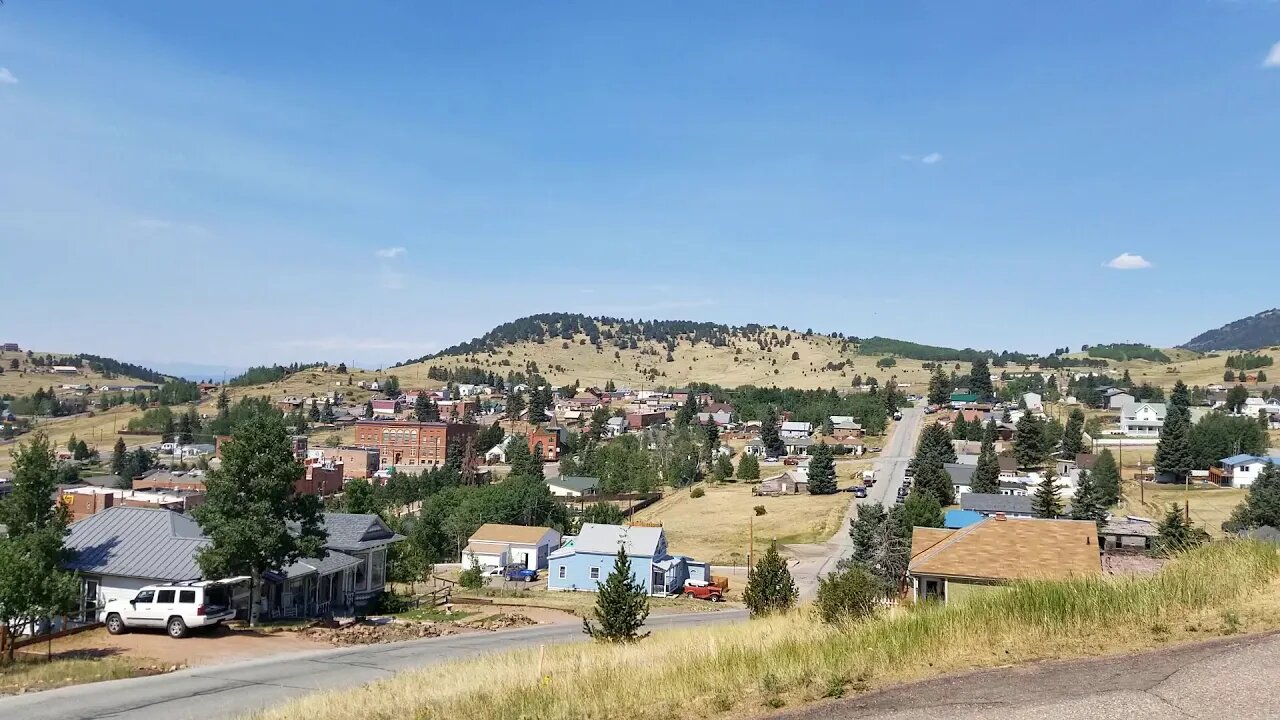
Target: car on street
(699, 590)
(178, 608)
(859, 491)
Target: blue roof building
(585, 560)
(956, 519)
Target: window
(187, 596)
(145, 596)
(164, 596)
(595, 573)
(379, 563)
(561, 573)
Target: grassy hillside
(748, 668)
(27, 378)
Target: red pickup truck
(703, 591)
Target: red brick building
(546, 441)
(409, 442)
(322, 480)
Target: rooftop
(499, 533)
(1008, 549)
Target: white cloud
(391, 252)
(931, 159)
(6, 77)
(1273, 58)
(1125, 261)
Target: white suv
(176, 607)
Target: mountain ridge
(1250, 333)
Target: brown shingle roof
(923, 538)
(494, 532)
(1010, 549)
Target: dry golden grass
(745, 668)
(1210, 505)
(716, 527)
(27, 676)
(98, 431)
(27, 379)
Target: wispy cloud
(1126, 261)
(391, 252)
(932, 158)
(1273, 58)
(6, 77)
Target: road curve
(233, 689)
(1236, 678)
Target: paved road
(814, 561)
(1230, 678)
(230, 690)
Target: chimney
(1000, 517)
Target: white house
(497, 546)
(573, 487)
(1117, 398)
(1241, 471)
(498, 453)
(1034, 403)
(793, 429)
(1143, 418)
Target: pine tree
(254, 519)
(822, 470)
(1028, 442)
(921, 509)
(864, 534)
(422, 408)
(515, 405)
(748, 468)
(1086, 504)
(1173, 451)
(120, 459)
(773, 444)
(622, 605)
(1180, 396)
(980, 379)
(1261, 507)
(1045, 502)
(368, 408)
(1073, 434)
(688, 411)
(722, 468)
(770, 588)
(939, 387)
(990, 432)
(1176, 535)
(521, 458)
(931, 477)
(960, 428)
(986, 477)
(1106, 478)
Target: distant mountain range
(1251, 333)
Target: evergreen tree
(990, 432)
(422, 408)
(939, 387)
(921, 509)
(770, 588)
(936, 440)
(1180, 396)
(986, 477)
(1073, 434)
(1028, 442)
(722, 468)
(864, 534)
(980, 379)
(1106, 478)
(120, 458)
(539, 401)
(1176, 535)
(254, 519)
(33, 584)
(1045, 502)
(960, 428)
(710, 442)
(1173, 451)
(313, 414)
(881, 545)
(822, 470)
(748, 468)
(515, 405)
(622, 605)
(1087, 503)
(688, 411)
(773, 444)
(1261, 507)
(932, 478)
(186, 428)
(327, 415)
(368, 409)
(360, 497)
(521, 458)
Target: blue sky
(243, 182)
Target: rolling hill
(1251, 333)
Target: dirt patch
(373, 632)
(500, 622)
(202, 647)
(1131, 564)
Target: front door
(659, 581)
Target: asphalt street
(231, 690)
(1226, 678)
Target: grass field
(98, 431)
(27, 378)
(716, 527)
(35, 674)
(749, 668)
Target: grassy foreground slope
(746, 668)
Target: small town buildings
(790, 482)
(1129, 533)
(719, 413)
(545, 444)
(953, 564)
(573, 487)
(86, 501)
(797, 445)
(1033, 402)
(642, 420)
(961, 477)
(795, 429)
(585, 560)
(64, 370)
(409, 442)
(495, 545)
(356, 462)
(755, 446)
(1142, 419)
(991, 504)
(1240, 471)
(385, 408)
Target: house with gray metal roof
(991, 504)
(569, 486)
(585, 560)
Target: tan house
(950, 565)
(788, 483)
(495, 545)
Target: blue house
(585, 560)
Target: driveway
(1235, 678)
(233, 689)
(814, 561)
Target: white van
(176, 607)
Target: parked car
(791, 461)
(176, 607)
(874, 448)
(521, 574)
(696, 589)
(859, 491)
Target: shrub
(760, 510)
(697, 492)
(847, 595)
(473, 577)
